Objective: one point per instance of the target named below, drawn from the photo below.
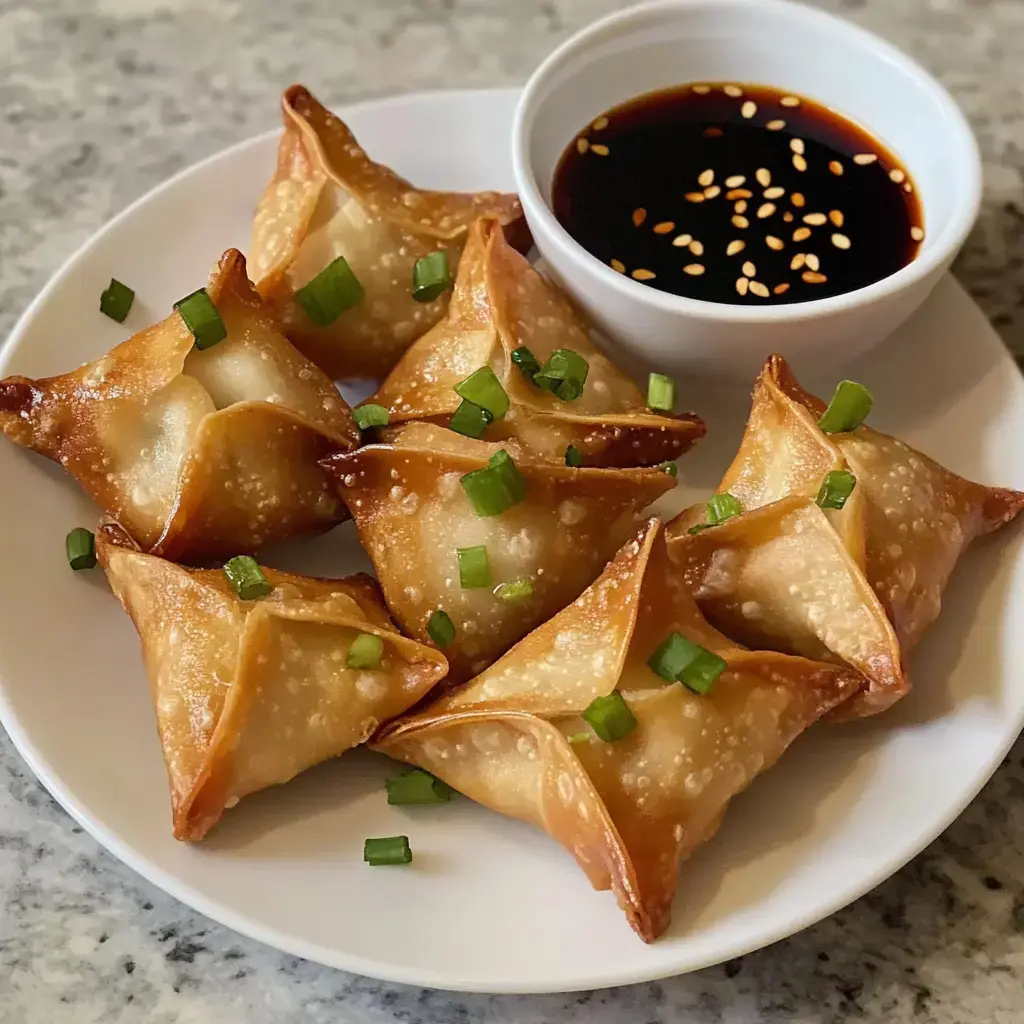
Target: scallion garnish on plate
(201, 318)
(837, 486)
(371, 415)
(527, 362)
(431, 276)
(519, 590)
(334, 290)
(573, 457)
(610, 717)
(678, 660)
(474, 569)
(848, 409)
(246, 578)
(80, 546)
(720, 507)
(483, 389)
(441, 629)
(365, 651)
(564, 374)
(470, 420)
(387, 850)
(116, 300)
(417, 788)
(496, 487)
(661, 392)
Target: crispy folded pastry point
(412, 515)
(908, 519)
(500, 304)
(329, 199)
(199, 454)
(629, 811)
(779, 577)
(250, 693)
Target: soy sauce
(738, 193)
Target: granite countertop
(101, 102)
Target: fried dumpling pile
(249, 694)
(329, 199)
(495, 571)
(502, 306)
(519, 737)
(775, 576)
(197, 453)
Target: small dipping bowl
(759, 42)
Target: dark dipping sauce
(738, 193)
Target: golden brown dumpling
(198, 454)
(250, 693)
(329, 199)
(630, 809)
(413, 514)
(502, 304)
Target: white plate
(490, 904)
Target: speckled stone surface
(102, 100)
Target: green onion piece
(365, 651)
(610, 717)
(669, 467)
(246, 576)
(527, 362)
(661, 392)
(483, 388)
(470, 420)
(367, 416)
(848, 409)
(80, 545)
(496, 487)
(573, 456)
(722, 507)
(837, 486)
(201, 318)
(677, 659)
(388, 850)
(116, 300)
(417, 787)
(474, 570)
(564, 373)
(698, 528)
(579, 737)
(431, 276)
(330, 293)
(517, 591)
(441, 629)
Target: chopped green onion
(441, 629)
(388, 850)
(610, 717)
(431, 276)
(698, 528)
(365, 651)
(661, 392)
(564, 373)
(80, 546)
(678, 660)
(517, 591)
(496, 487)
(116, 300)
(201, 318)
(367, 416)
(837, 486)
(246, 576)
(470, 420)
(669, 467)
(573, 456)
(474, 570)
(417, 787)
(483, 388)
(527, 362)
(848, 409)
(330, 293)
(579, 737)
(722, 507)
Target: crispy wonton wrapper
(630, 811)
(198, 454)
(250, 693)
(500, 304)
(412, 515)
(329, 199)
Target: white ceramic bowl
(770, 42)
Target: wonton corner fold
(198, 454)
(502, 304)
(630, 809)
(248, 694)
(329, 199)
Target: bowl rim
(934, 258)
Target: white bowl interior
(780, 44)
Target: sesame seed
(799, 162)
(776, 126)
(712, 191)
(749, 270)
(735, 246)
(790, 101)
(739, 193)
(835, 167)
(740, 222)
(742, 284)
(664, 227)
(600, 149)
(774, 243)
(813, 278)
(897, 175)
(741, 206)
(643, 275)
(797, 145)
(801, 233)
(639, 215)
(680, 240)
(695, 197)
(735, 180)
(713, 133)
(760, 290)
(817, 219)
(865, 158)
(601, 122)
(749, 109)
(797, 199)
(702, 90)
(813, 263)
(788, 217)
(797, 261)
(706, 177)
(917, 234)
(765, 210)
(697, 248)
(732, 90)
(781, 289)
(840, 241)
(907, 187)
(764, 176)
(836, 216)
(693, 269)
(775, 192)
(618, 266)
(582, 145)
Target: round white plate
(490, 904)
